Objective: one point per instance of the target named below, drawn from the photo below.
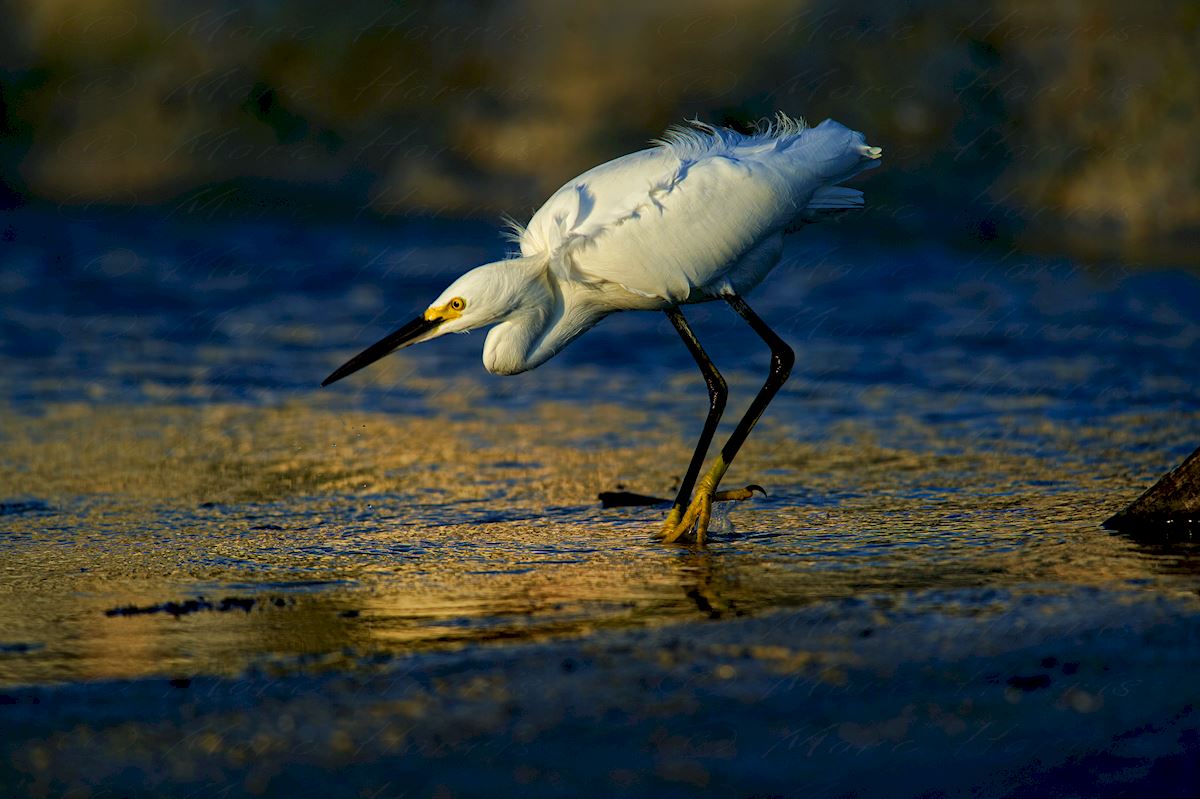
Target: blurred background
(1060, 126)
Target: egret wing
(672, 221)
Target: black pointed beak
(386, 345)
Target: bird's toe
(691, 523)
(739, 494)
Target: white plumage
(673, 223)
(698, 217)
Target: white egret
(700, 216)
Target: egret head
(481, 297)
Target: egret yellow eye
(458, 304)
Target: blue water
(259, 311)
(201, 543)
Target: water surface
(183, 506)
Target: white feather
(672, 223)
(700, 215)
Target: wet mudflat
(217, 577)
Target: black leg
(718, 393)
(699, 509)
(782, 360)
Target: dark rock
(1172, 505)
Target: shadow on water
(1174, 552)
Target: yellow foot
(680, 523)
(739, 494)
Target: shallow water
(957, 427)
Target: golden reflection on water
(360, 533)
